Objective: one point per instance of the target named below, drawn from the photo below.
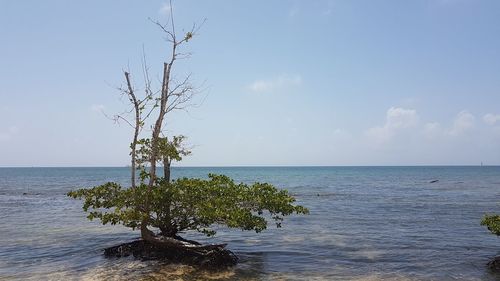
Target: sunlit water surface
(366, 223)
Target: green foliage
(492, 222)
(166, 149)
(191, 204)
(174, 149)
(112, 204)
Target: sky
(325, 82)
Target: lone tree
(492, 222)
(163, 208)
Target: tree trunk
(163, 241)
(137, 127)
(166, 169)
(159, 121)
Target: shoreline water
(368, 223)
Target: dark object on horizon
(27, 193)
(210, 258)
(433, 181)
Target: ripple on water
(385, 223)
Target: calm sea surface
(366, 223)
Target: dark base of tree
(494, 264)
(213, 259)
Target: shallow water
(366, 223)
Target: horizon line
(269, 166)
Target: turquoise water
(366, 223)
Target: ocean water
(366, 223)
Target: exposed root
(494, 264)
(211, 257)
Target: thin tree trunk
(165, 93)
(154, 142)
(173, 241)
(166, 169)
(158, 124)
(166, 173)
(137, 128)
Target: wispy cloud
(9, 133)
(165, 9)
(491, 119)
(277, 83)
(97, 107)
(397, 119)
(432, 130)
(463, 122)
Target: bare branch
(164, 29)
(172, 17)
(118, 117)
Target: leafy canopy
(172, 150)
(190, 204)
(492, 222)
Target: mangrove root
(174, 250)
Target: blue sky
(288, 82)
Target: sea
(365, 223)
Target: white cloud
(280, 82)
(97, 107)
(491, 119)
(396, 119)
(9, 133)
(463, 123)
(165, 9)
(401, 118)
(432, 130)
